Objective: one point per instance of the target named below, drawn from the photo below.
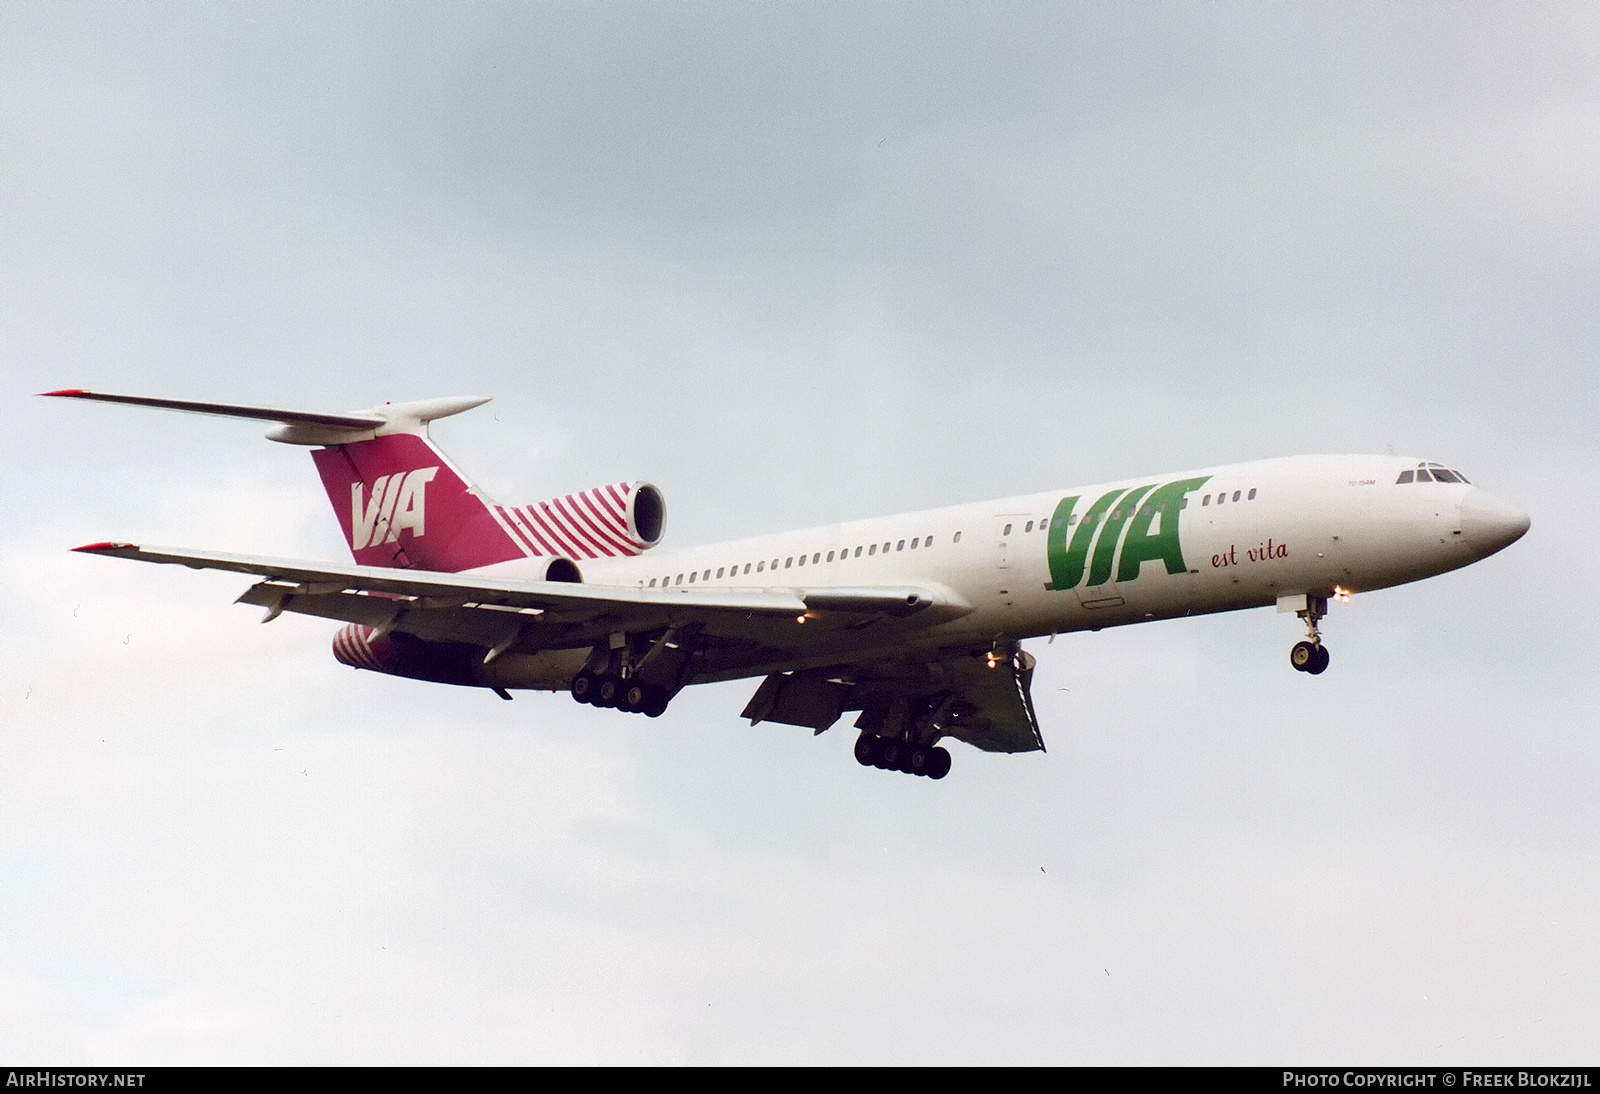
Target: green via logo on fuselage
(1139, 509)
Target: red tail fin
(402, 504)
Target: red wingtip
(95, 548)
(67, 392)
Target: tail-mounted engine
(616, 521)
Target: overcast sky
(796, 263)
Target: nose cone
(1489, 524)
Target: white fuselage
(1027, 566)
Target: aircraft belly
(548, 670)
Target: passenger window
(1252, 495)
(818, 555)
(760, 566)
(788, 562)
(1006, 531)
(830, 556)
(1221, 498)
(1028, 527)
(679, 581)
(1236, 495)
(957, 539)
(929, 542)
(652, 583)
(1183, 503)
(746, 567)
(802, 560)
(719, 572)
(691, 579)
(914, 543)
(901, 546)
(1206, 500)
(1405, 476)
(873, 549)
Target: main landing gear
(623, 693)
(889, 754)
(1311, 656)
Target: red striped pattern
(353, 647)
(589, 524)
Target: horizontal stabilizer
(360, 422)
(306, 426)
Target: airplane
(914, 621)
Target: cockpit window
(1432, 472)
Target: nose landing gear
(1311, 656)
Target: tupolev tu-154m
(914, 621)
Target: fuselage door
(1007, 530)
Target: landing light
(1341, 594)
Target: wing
(736, 627)
(824, 651)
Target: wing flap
(993, 707)
(969, 694)
(479, 626)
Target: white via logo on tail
(398, 501)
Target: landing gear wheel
(655, 701)
(609, 691)
(1303, 656)
(920, 759)
(633, 697)
(891, 754)
(1318, 662)
(583, 686)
